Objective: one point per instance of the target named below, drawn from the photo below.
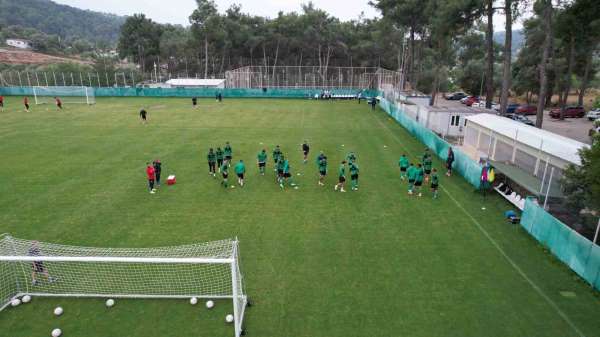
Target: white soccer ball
(229, 318)
(232, 186)
(110, 302)
(210, 304)
(15, 302)
(58, 311)
(193, 301)
(56, 332)
(26, 299)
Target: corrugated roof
(550, 143)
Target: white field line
(496, 245)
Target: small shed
(18, 43)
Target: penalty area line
(496, 245)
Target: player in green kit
(427, 163)
(354, 176)
(322, 165)
(351, 158)
(277, 154)
(219, 154)
(411, 177)
(287, 174)
(212, 162)
(240, 169)
(419, 178)
(341, 177)
(225, 172)
(280, 163)
(403, 163)
(261, 159)
(434, 183)
(228, 152)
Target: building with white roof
(196, 83)
(18, 43)
(532, 158)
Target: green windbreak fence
(574, 250)
(198, 92)
(463, 164)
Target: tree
(507, 56)
(140, 40)
(581, 183)
(546, 10)
(205, 24)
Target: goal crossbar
(115, 259)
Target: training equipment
(26, 299)
(171, 180)
(203, 270)
(68, 95)
(210, 304)
(229, 318)
(58, 311)
(110, 303)
(193, 301)
(15, 302)
(56, 332)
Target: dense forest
(40, 20)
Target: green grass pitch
(316, 263)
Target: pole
(548, 189)
(544, 177)
(234, 288)
(597, 230)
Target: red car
(570, 111)
(471, 99)
(527, 110)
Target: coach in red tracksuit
(150, 173)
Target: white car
(481, 104)
(593, 114)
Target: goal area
(69, 95)
(205, 270)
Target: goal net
(70, 95)
(204, 270)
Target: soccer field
(316, 263)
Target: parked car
(512, 108)
(481, 104)
(527, 109)
(570, 111)
(519, 118)
(593, 114)
(464, 99)
(471, 100)
(455, 96)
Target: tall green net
(204, 92)
(574, 250)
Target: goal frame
(87, 91)
(237, 296)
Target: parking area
(574, 128)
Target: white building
(18, 43)
(530, 160)
(196, 83)
(445, 121)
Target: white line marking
(498, 248)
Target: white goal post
(70, 95)
(206, 270)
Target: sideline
(490, 239)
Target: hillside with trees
(40, 20)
